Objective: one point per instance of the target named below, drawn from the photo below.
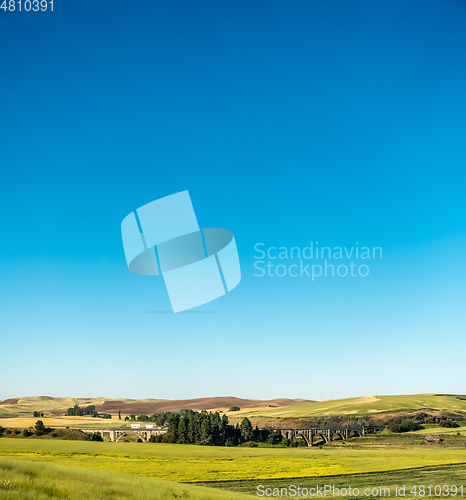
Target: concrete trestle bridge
(327, 434)
(144, 434)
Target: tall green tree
(39, 428)
(183, 429)
(206, 432)
(215, 427)
(246, 430)
(173, 423)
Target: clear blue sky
(329, 121)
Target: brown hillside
(11, 401)
(146, 408)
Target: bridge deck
(342, 428)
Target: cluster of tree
(413, 422)
(94, 436)
(77, 411)
(209, 428)
(407, 425)
(448, 423)
(449, 417)
(40, 429)
(235, 408)
(159, 418)
(37, 414)
(422, 417)
(403, 422)
(337, 421)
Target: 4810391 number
(26, 5)
(438, 491)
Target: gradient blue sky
(328, 121)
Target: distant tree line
(159, 418)
(40, 430)
(78, 411)
(413, 422)
(94, 436)
(403, 421)
(448, 423)
(406, 425)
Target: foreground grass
(21, 480)
(450, 475)
(190, 464)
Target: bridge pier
(116, 434)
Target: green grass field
(190, 463)
(440, 475)
(24, 480)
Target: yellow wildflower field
(190, 463)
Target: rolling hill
(363, 405)
(276, 408)
(58, 406)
